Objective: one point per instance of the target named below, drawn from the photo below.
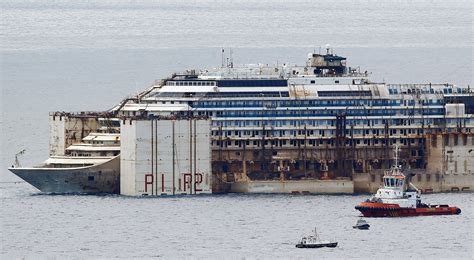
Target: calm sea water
(88, 55)
(222, 226)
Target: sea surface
(88, 55)
(222, 227)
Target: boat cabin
(393, 190)
(393, 181)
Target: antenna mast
(397, 150)
(222, 58)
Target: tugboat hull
(393, 210)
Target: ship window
(90, 178)
(260, 83)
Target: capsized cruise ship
(322, 127)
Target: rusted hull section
(438, 162)
(426, 182)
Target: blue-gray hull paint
(99, 178)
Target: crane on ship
(17, 161)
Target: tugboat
(395, 199)
(313, 241)
(361, 224)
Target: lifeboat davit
(400, 198)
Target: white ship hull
(98, 178)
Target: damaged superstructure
(319, 128)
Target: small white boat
(361, 224)
(313, 241)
